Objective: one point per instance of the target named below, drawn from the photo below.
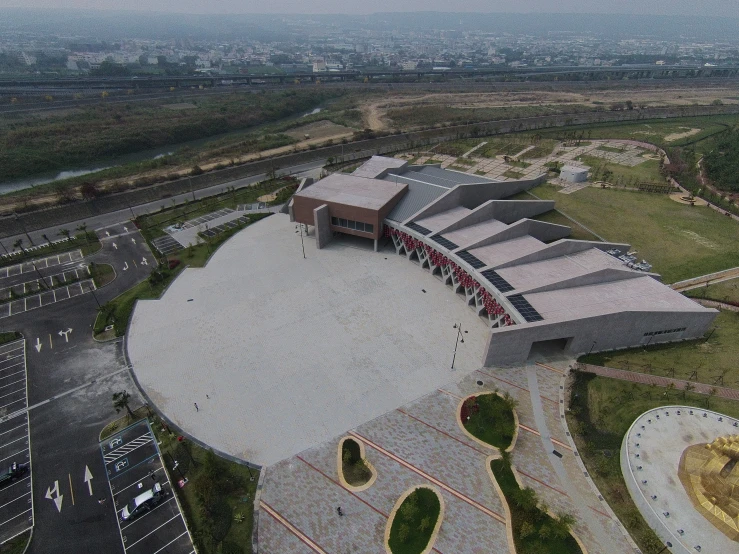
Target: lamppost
(592, 346)
(459, 337)
(302, 244)
(41, 276)
(23, 226)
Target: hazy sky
(665, 7)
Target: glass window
(334, 221)
(342, 223)
(368, 228)
(352, 224)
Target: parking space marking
(166, 245)
(163, 523)
(46, 298)
(16, 499)
(170, 542)
(40, 263)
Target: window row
(354, 225)
(667, 332)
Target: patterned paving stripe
(290, 527)
(555, 489)
(428, 477)
(550, 368)
(515, 385)
(443, 432)
(560, 443)
(450, 394)
(314, 468)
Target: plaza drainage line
(290, 527)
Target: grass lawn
(118, 311)
(726, 291)
(534, 531)
(601, 411)
(218, 500)
(124, 421)
(355, 471)
(511, 174)
(680, 241)
(553, 216)
(711, 358)
(17, 545)
(489, 417)
(645, 172)
(414, 522)
(10, 336)
(542, 149)
(102, 274)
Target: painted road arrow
(58, 498)
(115, 245)
(88, 479)
(143, 261)
(125, 266)
(133, 240)
(65, 334)
(37, 346)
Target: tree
(526, 529)
(82, 228)
(121, 400)
(19, 244)
(525, 499)
(47, 239)
(64, 233)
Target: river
(150, 154)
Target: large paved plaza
(281, 353)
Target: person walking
(196, 407)
(339, 511)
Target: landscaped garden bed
(414, 524)
(534, 530)
(356, 471)
(490, 418)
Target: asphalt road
(71, 378)
(112, 218)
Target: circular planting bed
(490, 418)
(355, 472)
(414, 522)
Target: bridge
(552, 73)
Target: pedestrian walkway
(646, 379)
(704, 280)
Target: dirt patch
(267, 197)
(677, 136)
(680, 198)
(182, 106)
(320, 130)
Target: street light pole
(20, 222)
(41, 276)
(459, 334)
(301, 240)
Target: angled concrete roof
(378, 166)
(642, 294)
(356, 191)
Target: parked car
(143, 502)
(15, 471)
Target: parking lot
(46, 282)
(16, 501)
(45, 298)
(223, 226)
(41, 263)
(166, 245)
(134, 465)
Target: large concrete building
(534, 286)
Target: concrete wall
(511, 345)
(541, 230)
(473, 196)
(507, 211)
(563, 247)
(351, 151)
(593, 278)
(321, 222)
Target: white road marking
(37, 346)
(53, 494)
(170, 542)
(154, 530)
(115, 246)
(125, 266)
(88, 479)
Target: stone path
(646, 379)
(422, 443)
